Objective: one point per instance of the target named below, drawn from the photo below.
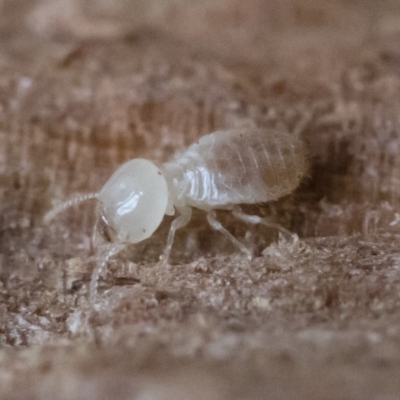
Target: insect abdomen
(238, 166)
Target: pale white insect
(221, 171)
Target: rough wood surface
(85, 86)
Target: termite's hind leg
(215, 224)
(256, 219)
(179, 222)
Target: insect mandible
(221, 171)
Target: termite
(221, 171)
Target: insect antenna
(67, 204)
(100, 267)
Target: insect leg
(215, 224)
(99, 269)
(256, 219)
(302, 124)
(94, 238)
(179, 222)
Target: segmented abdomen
(241, 166)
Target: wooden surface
(86, 86)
